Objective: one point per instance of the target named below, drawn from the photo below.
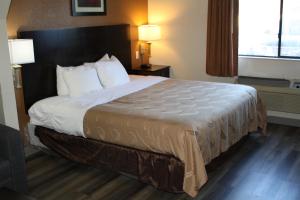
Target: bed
(164, 131)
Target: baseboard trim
(284, 121)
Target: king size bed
(163, 131)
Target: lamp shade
(21, 51)
(149, 33)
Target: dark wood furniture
(9, 194)
(12, 161)
(154, 70)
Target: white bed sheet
(65, 114)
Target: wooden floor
(261, 169)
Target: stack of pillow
(77, 81)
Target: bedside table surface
(152, 68)
(155, 70)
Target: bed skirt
(164, 172)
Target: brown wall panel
(46, 14)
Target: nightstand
(154, 70)
(9, 194)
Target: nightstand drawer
(155, 70)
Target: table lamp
(148, 33)
(21, 52)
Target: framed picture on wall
(88, 7)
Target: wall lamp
(148, 33)
(21, 52)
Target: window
(270, 28)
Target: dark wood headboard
(69, 47)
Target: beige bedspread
(192, 120)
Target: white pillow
(104, 58)
(61, 86)
(111, 73)
(81, 81)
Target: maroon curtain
(222, 38)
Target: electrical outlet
(137, 55)
(296, 85)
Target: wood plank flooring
(260, 169)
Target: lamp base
(146, 66)
(17, 76)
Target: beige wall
(183, 46)
(6, 81)
(184, 28)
